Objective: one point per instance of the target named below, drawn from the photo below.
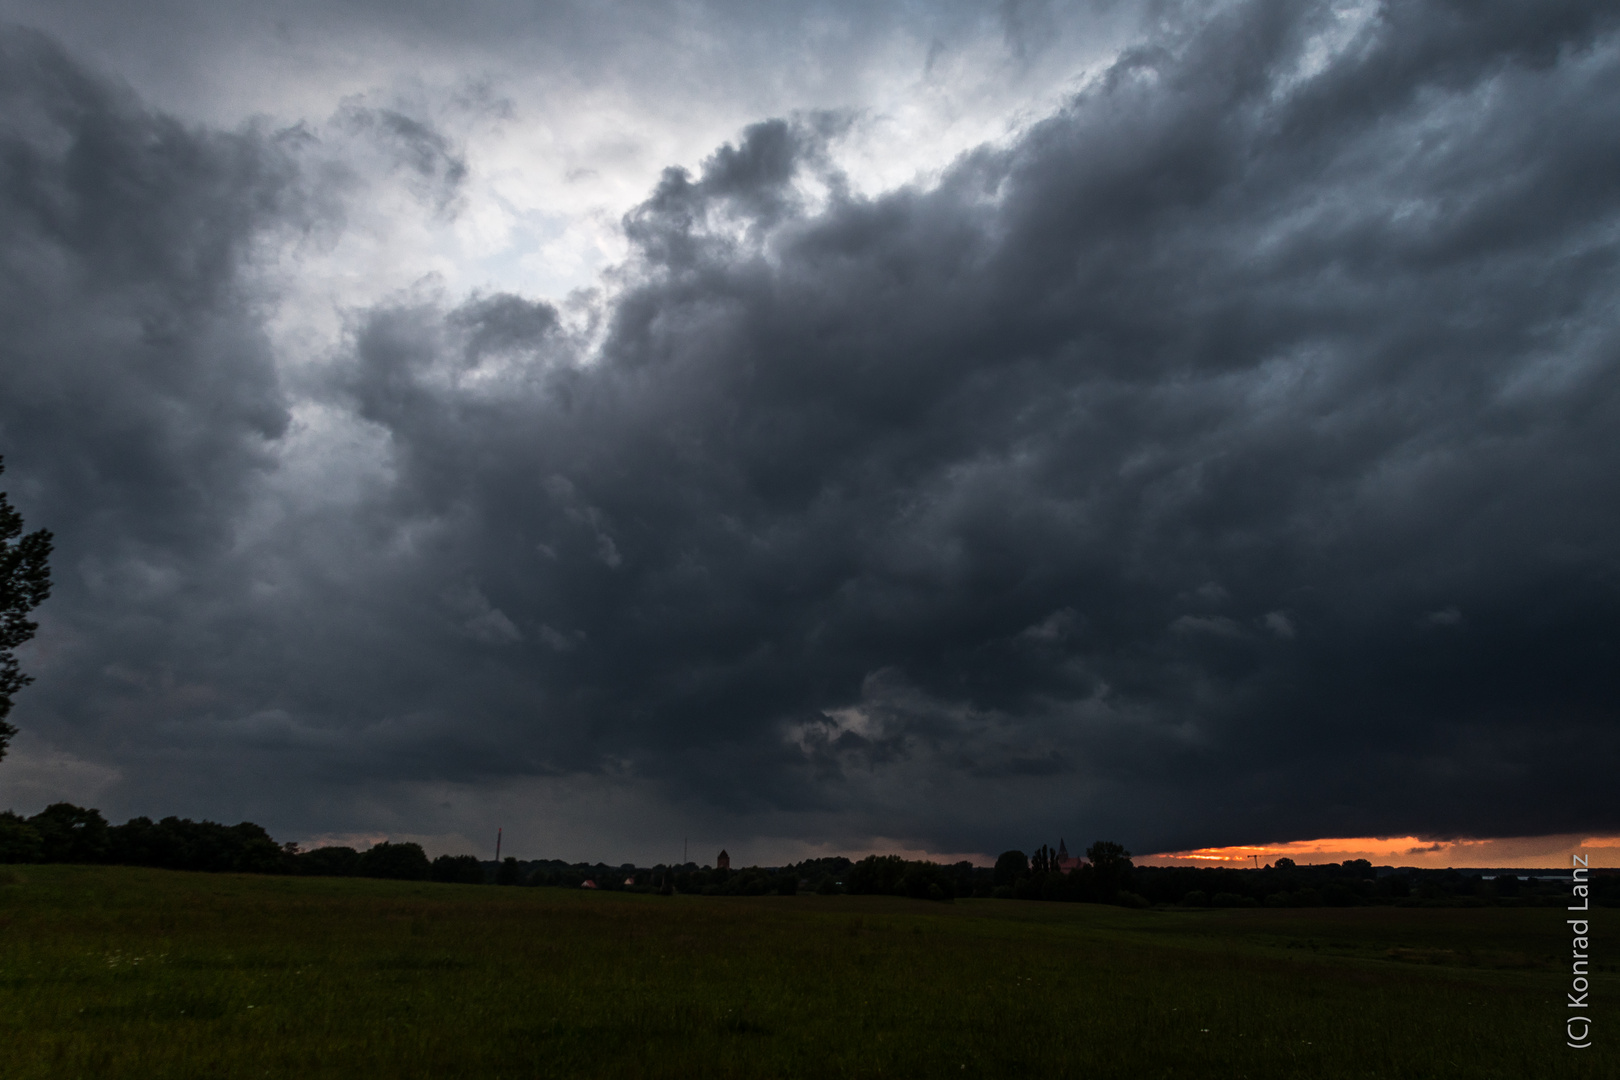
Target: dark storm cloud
(137, 386)
(138, 391)
(1229, 457)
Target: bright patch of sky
(565, 119)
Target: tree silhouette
(1011, 866)
(25, 582)
(1044, 861)
(1110, 866)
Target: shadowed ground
(122, 972)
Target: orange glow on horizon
(1525, 852)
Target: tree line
(64, 833)
(1357, 883)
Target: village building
(722, 861)
(1067, 863)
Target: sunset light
(1527, 852)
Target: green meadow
(123, 972)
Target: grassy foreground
(121, 972)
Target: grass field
(119, 972)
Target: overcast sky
(817, 427)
